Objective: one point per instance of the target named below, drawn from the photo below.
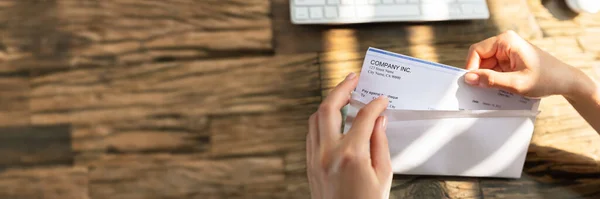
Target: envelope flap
(396, 115)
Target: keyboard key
(413, 1)
(374, 1)
(401, 1)
(331, 12)
(361, 2)
(347, 1)
(388, 10)
(388, 1)
(333, 2)
(347, 12)
(309, 2)
(301, 13)
(316, 12)
(454, 10)
(435, 11)
(440, 11)
(438, 1)
(365, 11)
(473, 9)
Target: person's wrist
(581, 87)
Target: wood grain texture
(550, 173)
(590, 43)
(280, 133)
(164, 106)
(176, 176)
(67, 34)
(14, 95)
(296, 181)
(9, 118)
(173, 133)
(417, 187)
(265, 133)
(291, 38)
(200, 87)
(555, 18)
(182, 98)
(296, 187)
(26, 146)
(51, 183)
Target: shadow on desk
(548, 173)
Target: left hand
(354, 165)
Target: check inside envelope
(480, 143)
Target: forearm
(585, 98)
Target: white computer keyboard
(364, 11)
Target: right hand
(352, 165)
(510, 63)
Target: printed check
(415, 84)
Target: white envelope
(475, 143)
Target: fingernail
(472, 78)
(383, 122)
(483, 85)
(350, 76)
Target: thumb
(380, 153)
(489, 78)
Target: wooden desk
(210, 98)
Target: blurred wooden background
(209, 98)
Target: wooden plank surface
(51, 183)
(415, 187)
(265, 133)
(589, 43)
(291, 38)
(174, 133)
(66, 34)
(14, 96)
(296, 181)
(184, 176)
(555, 18)
(165, 106)
(26, 146)
(128, 92)
(550, 173)
(184, 99)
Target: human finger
(380, 153)
(311, 144)
(311, 139)
(479, 51)
(488, 63)
(330, 117)
(362, 127)
(509, 81)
